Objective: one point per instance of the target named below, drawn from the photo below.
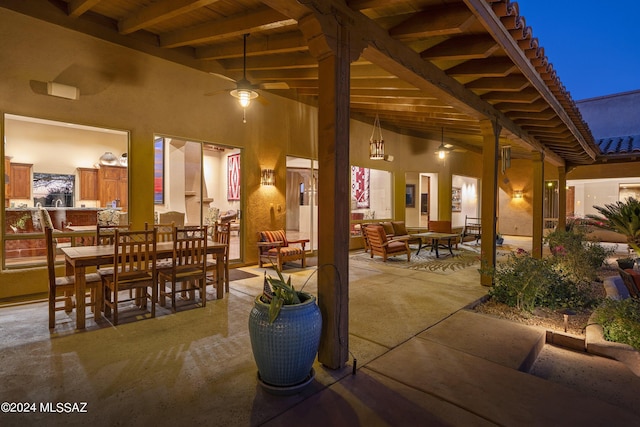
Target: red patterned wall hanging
(233, 177)
(360, 186)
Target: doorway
(302, 200)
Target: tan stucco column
(562, 198)
(330, 43)
(445, 186)
(538, 201)
(490, 149)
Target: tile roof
(620, 145)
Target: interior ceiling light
(244, 92)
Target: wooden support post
(562, 198)
(490, 151)
(538, 202)
(330, 43)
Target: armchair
(275, 249)
(381, 246)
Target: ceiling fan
(245, 91)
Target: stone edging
(594, 342)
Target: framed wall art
(233, 177)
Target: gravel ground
(542, 317)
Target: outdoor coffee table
(435, 240)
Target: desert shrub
(576, 258)
(525, 282)
(620, 321)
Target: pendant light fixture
(244, 92)
(442, 150)
(376, 146)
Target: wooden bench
(275, 249)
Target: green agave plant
(623, 217)
(283, 293)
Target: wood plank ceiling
(459, 61)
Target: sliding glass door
(201, 182)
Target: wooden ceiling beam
(527, 95)
(424, 102)
(438, 21)
(540, 123)
(533, 107)
(409, 109)
(159, 12)
(486, 67)
(372, 4)
(403, 94)
(260, 19)
(464, 47)
(76, 8)
(513, 83)
(272, 62)
(269, 45)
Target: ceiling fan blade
(274, 85)
(216, 92)
(222, 76)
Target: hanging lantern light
(442, 150)
(376, 146)
(506, 158)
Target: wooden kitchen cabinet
(88, 183)
(113, 185)
(20, 181)
(7, 171)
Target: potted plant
(623, 217)
(284, 327)
(625, 263)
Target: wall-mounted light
(268, 177)
(518, 194)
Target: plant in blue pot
(284, 327)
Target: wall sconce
(268, 177)
(518, 194)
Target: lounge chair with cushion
(381, 246)
(275, 249)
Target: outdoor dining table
(78, 258)
(435, 240)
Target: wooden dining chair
(188, 265)
(105, 234)
(221, 234)
(134, 269)
(61, 289)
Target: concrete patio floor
(422, 358)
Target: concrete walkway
(422, 360)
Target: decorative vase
(285, 349)
(108, 159)
(124, 160)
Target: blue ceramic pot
(286, 349)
